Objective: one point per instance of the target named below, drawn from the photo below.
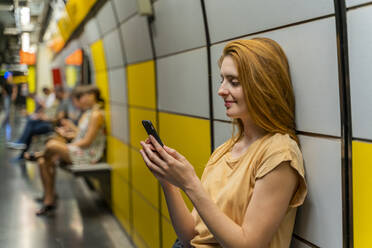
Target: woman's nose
(222, 91)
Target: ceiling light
(25, 16)
(25, 42)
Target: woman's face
(76, 102)
(231, 90)
(87, 100)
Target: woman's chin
(230, 114)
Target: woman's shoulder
(220, 151)
(281, 142)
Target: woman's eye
(235, 83)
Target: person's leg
(27, 131)
(42, 171)
(6, 109)
(54, 150)
(37, 128)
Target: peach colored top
(230, 183)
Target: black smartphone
(151, 130)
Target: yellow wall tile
(30, 105)
(169, 236)
(141, 85)
(118, 156)
(138, 241)
(101, 81)
(98, 55)
(143, 180)
(120, 199)
(190, 137)
(137, 132)
(362, 194)
(145, 221)
(102, 84)
(31, 79)
(121, 215)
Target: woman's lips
(228, 103)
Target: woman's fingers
(148, 141)
(173, 153)
(150, 165)
(160, 150)
(153, 156)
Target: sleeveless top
(92, 153)
(230, 182)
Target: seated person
(87, 147)
(66, 128)
(41, 122)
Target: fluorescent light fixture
(25, 42)
(25, 16)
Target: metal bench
(99, 171)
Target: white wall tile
(113, 52)
(125, 8)
(319, 220)
(119, 122)
(91, 32)
(183, 83)
(136, 37)
(222, 132)
(106, 18)
(351, 3)
(178, 26)
(118, 85)
(230, 19)
(360, 57)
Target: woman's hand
(167, 164)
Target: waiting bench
(99, 171)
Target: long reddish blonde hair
(264, 75)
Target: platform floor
(81, 219)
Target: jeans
(6, 109)
(34, 127)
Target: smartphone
(151, 130)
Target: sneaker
(16, 146)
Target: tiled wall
(359, 21)
(160, 71)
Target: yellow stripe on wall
(189, 136)
(118, 156)
(102, 84)
(362, 194)
(137, 132)
(120, 200)
(145, 222)
(141, 85)
(98, 55)
(31, 81)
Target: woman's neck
(251, 132)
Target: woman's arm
(68, 124)
(95, 124)
(268, 206)
(182, 220)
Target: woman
(253, 183)
(87, 147)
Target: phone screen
(151, 130)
